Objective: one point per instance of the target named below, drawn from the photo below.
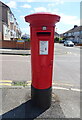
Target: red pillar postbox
(42, 47)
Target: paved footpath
(16, 103)
(15, 51)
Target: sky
(68, 10)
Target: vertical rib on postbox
(42, 48)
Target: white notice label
(43, 47)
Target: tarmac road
(67, 66)
(66, 70)
(16, 67)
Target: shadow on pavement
(27, 111)
(24, 111)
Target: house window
(80, 32)
(5, 30)
(11, 18)
(12, 27)
(65, 34)
(76, 33)
(69, 34)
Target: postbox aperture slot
(43, 33)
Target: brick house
(9, 29)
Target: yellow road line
(5, 82)
(8, 81)
(29, 84)
(28, 81)
(8, 84)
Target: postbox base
(41, 97)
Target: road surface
(66, 69)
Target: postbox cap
(42, 17)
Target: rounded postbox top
(42, 18)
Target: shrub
(56, 40)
